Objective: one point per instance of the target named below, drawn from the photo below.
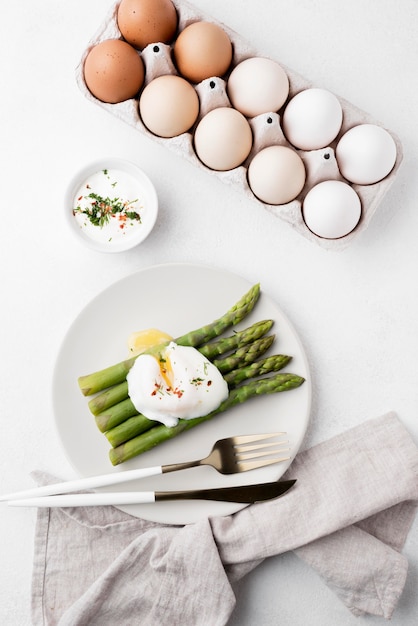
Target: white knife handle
(84, 483)
(88, 499)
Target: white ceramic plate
(174, 298)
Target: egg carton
(320, 165)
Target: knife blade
(247, 494)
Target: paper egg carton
(266, 128)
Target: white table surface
(356, 311)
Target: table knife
(244, 494)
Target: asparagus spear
(159, 434)
(237, 340)
(138, 424)
(108, 397)
(128, 429)
(117, 393)
(125, 409)
(102, 379)
(245, 355)
(258, 368)
(115, 415)
(236, 314)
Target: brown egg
(142, 22)
(202, 50)
(114, 71)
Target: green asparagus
(115, 415)
(159, 434)
(98, 381)
(128, 429)
(258, 368)
(245, 355)
(138, 424)
(236, 314)
(108, 398)
(117, 393)
(237, 340)
(124, 409)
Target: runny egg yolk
(166, 370)
(142, 340)
(177, 383)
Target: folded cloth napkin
(348, 517)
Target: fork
(232, 455)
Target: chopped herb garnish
(133, 215)
(161, 390)
(101, 210)
(196, 381)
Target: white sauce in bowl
(108, 205)
(112, 205)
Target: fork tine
(256, 455)
(259, 446)
(249, 465)
(251, 455)
(241, 439)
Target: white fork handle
(88, 499)
(85, 483)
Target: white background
(356, 311)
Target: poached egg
(177, 382)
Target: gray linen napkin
(348, 517)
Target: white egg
(276, 175)
(331, 209)
(258, 85)
(366, 154)
(177, 383)
(312, 119)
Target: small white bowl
(120, 182)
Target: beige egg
(276, 175)
(223, 139)
(142, 22)
(258, 85)
(169, 106)
(202, 50)
(114, 71)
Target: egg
(258, 85)
(142, 340)
(202, 50)
(312, 119)
(332, 209)
(169, 106)
(113, 71)
(366, 154)
(276, 175)
(223, 139)
(178, 383)
(142, 22)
